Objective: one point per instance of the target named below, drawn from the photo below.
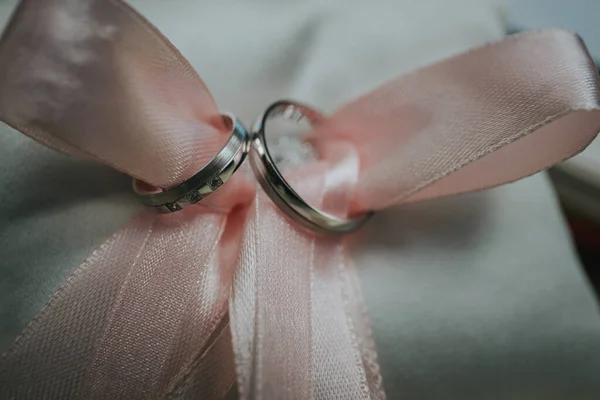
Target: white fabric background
(477, 296)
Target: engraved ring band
(208, 179)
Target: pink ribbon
(180, 305)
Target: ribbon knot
(182, 305)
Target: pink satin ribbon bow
(179, 305)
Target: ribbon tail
(270, 308)
(299, 331)
(298, 319)
(343, 347)
(357, 313)
(342, 342)
(137, 313)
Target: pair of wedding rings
(231, 157)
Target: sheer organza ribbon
(179, 305)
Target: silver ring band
(208, 179)
(277, 187)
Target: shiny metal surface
(277, 187)
(208, 179)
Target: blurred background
(577, 181)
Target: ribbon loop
(479, 119)
(93, 78)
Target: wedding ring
(208, 179)
(277, 188)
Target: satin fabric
(441, 136)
